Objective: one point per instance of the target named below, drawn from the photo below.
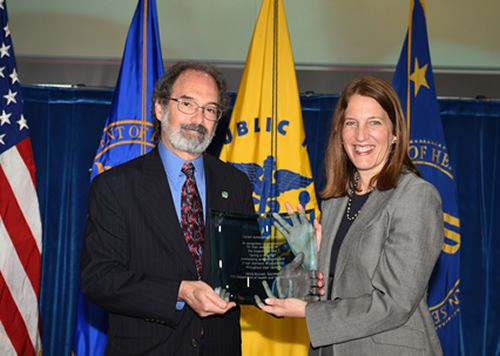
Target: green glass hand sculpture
(301, 237)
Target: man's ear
(158, 110)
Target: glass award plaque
(247, 249)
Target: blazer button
(194, 342)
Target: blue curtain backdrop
(66, 126)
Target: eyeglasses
(187, 106)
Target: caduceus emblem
(268, 184)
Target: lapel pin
(225, 195)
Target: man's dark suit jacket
(134, 258)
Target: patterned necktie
(192, 216)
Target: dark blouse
(356, 204)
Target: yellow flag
(266, 140)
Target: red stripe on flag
(17, 226)
(26, 152)
(13, 322)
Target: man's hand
(300, 236)
(203, 299)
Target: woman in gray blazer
(381, 234)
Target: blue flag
(414, 83)
(129, 129)
(128, 133)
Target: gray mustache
(198, 128)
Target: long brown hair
(339, 170)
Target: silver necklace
(348, 211)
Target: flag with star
(414, 83)
(20, 222)
(266, 140)
(128, 133)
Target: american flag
(20, 224)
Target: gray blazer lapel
(369, 211)
(331, 216)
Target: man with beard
(146, 256)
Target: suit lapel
(158, 203)
(370, 209)
(213, 180)
(330, 220)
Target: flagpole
(274, 119)
(408, 90)
(144, 116)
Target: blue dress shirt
(173, 168)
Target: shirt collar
(173, 164)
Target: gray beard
(184, 142)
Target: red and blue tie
(192, 216)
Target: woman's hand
(289, 307)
